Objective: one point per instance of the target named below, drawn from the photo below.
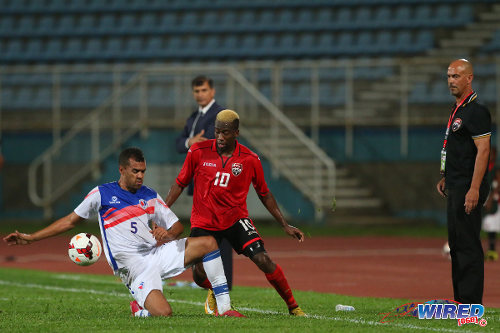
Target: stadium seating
(117, 31)
(359, 28)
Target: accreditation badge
(443, 160)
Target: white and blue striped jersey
(124, 220)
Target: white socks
(212, 263)
(142, 313)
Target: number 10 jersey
(221, 184)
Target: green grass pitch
(34, 301)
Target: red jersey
(221, 184)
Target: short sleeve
(163, 215)
(186, 174)
(90, 205)
(259, 182)
(479, 123)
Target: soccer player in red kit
(222, 170)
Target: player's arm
(163, 235)
(58, 227)
(480, 165)
(272, 206)
(173, 194)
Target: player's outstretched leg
(207, 249)
(276, 277)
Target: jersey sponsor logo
(143, 203)
(210, 164)
(457, 124)
(237, 168)
(114, 200)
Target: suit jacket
(205, 122)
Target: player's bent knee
(210, 243)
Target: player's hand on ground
(197, 138)
(294, 232)
(161, 235)
(18, 238)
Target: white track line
(127, 295)
(275, 254)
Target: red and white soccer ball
(84, 249)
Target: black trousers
(467, 257)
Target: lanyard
(451, 119)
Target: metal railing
(103, 130)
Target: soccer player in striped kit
(222, 171)
(140, 256)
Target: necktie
(194, 124)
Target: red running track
(395, 267)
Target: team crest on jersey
(457, 123)
(237, 168)
(143, 203)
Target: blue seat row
(231, 46)
(216, 22)
(438, 92)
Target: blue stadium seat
(127, 22)
(133, 46)
(14, 49)
(403, 41)
(382, 16)
(423, 16)
(418, 93)
(7, 24)
(209, 19)
(34, 49)
(189, 20)
(167, 21)
(46, 24)
(488, 92)
(326, 43)
(493, 45)
(66, 24)
(154, 46)
(147, 21)
(26, 24)
(444, 15)
(464, 12)
(246, 19)
(106, 23)
(305, 17)
(402, 16)
(266, 18)
(113, 48)
(364, 42)
(87, 24)
(344, 43)
(362, 16)
(286, 18)
(383, 42)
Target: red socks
(205, 284)
(278, 280)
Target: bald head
(460, 76)
(462, 65)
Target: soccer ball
(84, 249)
